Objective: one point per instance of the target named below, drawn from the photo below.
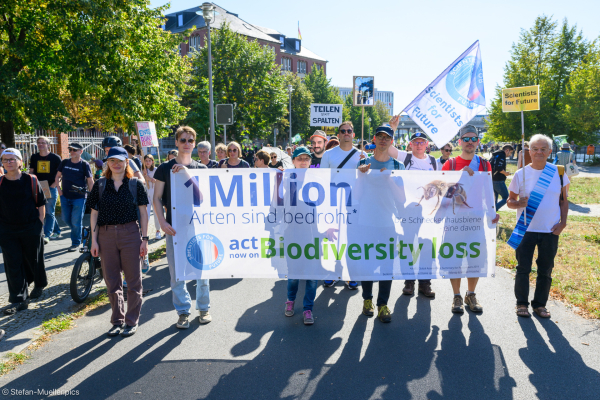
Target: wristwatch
(146, 238)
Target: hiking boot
(384, 314)
(425, 288)
(184, 321)
(308, 317)
(204, 317)
(36, 292)
(368, 308)
(409, 288)
(457, 304)
(328, 283)
(352, 285)
(289, 308)
(16, 307)
(115, 330)
(129, 330)
(472, 302)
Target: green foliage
(104, 63)
(377, 115)
(301, 100)
(545, 55)
(244, 74)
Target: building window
(180, 20)
(286, 64)
(282, 40)
(297, 45)
(317, 66)
(301, 67)
(195, 42)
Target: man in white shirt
(343, 156)
(543, 229)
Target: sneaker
(129, 330)
(204, 317)
(54, 236)
(457, 305)
(184, 321)
(46, 240)
(384, 314)
(425, 289)
(36, 292)
(72, 248)
(2, 333)
(158, 235)
(352, 285)
(328, 283)
(409, 288)
(16, 307)
(472, 302)
(368, 308)
(289, 308)
(308, 317)
(146, 265)
(115, 330)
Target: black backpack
(432, 160)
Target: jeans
(50, 223)
(310, 292)
(72, 214)
(501, 190)
(181, 297)
(385, 287)
(547, 245)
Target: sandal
(523, 312)
(542, 312)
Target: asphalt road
(252, 351)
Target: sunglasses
(273, 157)
(73, 150)
(470, 138)
(447, 151)
(232, 150)
(183, 140)
(345, 130)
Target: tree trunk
(7, 133)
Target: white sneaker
(204, 317)
(158, 235)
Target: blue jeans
(181, 297)
(72, 214)
(310, 292)
(50, 223)
(501, 190)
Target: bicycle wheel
(82, 278)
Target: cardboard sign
(526, 98)
(326, 114)
(46, 189)
(147, 132)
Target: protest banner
(452, 99)
(147, 133)
(332, 224)
(326, 114)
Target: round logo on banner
(458, 83)
(204, 252)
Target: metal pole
(290, 118)
(210, 97)
(523, 158)
(225, 134)
(274, 139)
(362, 128)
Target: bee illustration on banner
(441, 189)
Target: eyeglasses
(304, 159)
(470, 138)
(73, 150)
(345, 130)
(383, 137)
(9, 160)
(418, 143)
(232, 150)
(447, 151)
(536, 150)
(183, 140)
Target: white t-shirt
(332, 158)
(418, 164)
(548, 212)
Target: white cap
(14, 152)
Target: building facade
(386, 97)
(289, 52)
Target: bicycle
(87, 269)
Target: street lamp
(208, 13)
(290, 90)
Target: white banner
(452, 99)
(332, 224)
(326, 114)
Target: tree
(372, 118)
(543, 56)
(244, 74)
(104, 63)
(301, 100)
(320, 87)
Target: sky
(406, 44)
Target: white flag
(452, 99)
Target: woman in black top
(274, 163)
(22, 210)
(116, 238)
(234, 152)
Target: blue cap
(418, 135)
(299, 151)
(118, 153)
(385, 128)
